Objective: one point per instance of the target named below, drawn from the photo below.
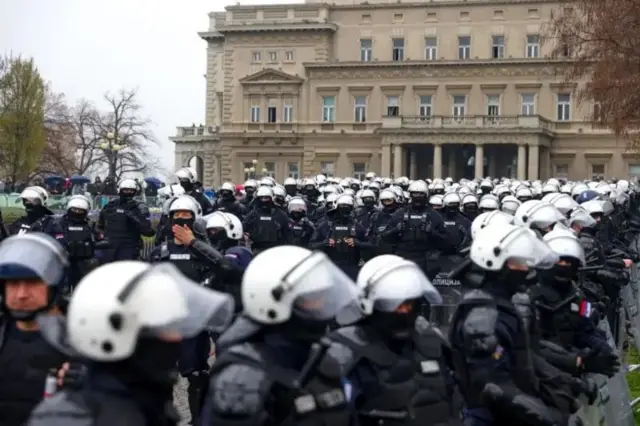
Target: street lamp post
(111, 148)
(251, 171)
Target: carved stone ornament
(379, 73)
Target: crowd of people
(328, 301)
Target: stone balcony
(195, 134)
(489, 123)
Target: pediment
(270, 75)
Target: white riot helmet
(510, 204)
(486, 219)
(387, 281)
(495, 245)
(116, 302)
(227, 222)
(185, 203)
(79, 202)
(128, 186)
(186, 175)
(538, 215)
(287, 281)
(566, 245)
(297, 204)
(34, 195)
(488, 203)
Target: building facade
(445, 88)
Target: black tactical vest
(559, 316)
(117, 226)
(414, 226)
(322, 401)
(267, 231)
(340, 232)
(420, 398)
(79, 239)
(521, 366)
(182, 258)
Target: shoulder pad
(479, 330)
(422, 325)
(246, 351)
(477, 294)
(339, 358)
(344, 344)
(239, 389)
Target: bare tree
(126, 140)
(602, 38)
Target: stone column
(479, 160)
(398, 160)
(385, 161)
(413, 164)
(522, 159)
(534, 161)
(437, 161)
(451, 162)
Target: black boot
(195, 394)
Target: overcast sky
(87, 47)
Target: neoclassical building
(437, 89)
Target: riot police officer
(115, 322)
(489, 337)
(565, 313)
(267, 225)
(379, 221)
(163, 228)
(187, 178)
(342, 237)
(418, 231)
(291, 187)
(226, 201)
(301, 230)
(272, 365)
(394, 358)
(363, 214)
(32, 272)
(38, 218)
(458, 229)
(79, 236)
(250, 187)
(123, 222)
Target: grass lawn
(634, 380)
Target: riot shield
(451, 292)
(615, 398)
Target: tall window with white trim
(563, 107)
(255, 114)
(328, 109)
(459, 105)
(360, 109)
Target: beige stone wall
(305, 57)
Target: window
(273, 56)
(366, 18)
(597, 171)
(561, 171)
(597, 112)
(432, 16)
(272, 114)
(289, 56)
(497, 47)
(393, 108)
(287, 116)
(359, 170)
(464, 15)
(493, 105)
(326, 168)
(256, 57)
(634, 171)
(498, 14)
(459, 103)
(533, 46)
(255, 114)
(464, 47)
(431, 48)
(398, 17)
(328, 109)
(564, 107)
(565, 50)
(293, 170)
(249, 170)
(366, 49)
(425, 106)
(527, 104)
(270, 169)
(360, 109)
(397, 54)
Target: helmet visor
(323, 302)
(168, 302)
(32, 256)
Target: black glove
(74, 376)
(587, 388)
(600, 362)
(400, 226)
(522, 408)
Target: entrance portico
(465, 156)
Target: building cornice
(211, 36)
(437, 4)
(277, 26)
(437, 63)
